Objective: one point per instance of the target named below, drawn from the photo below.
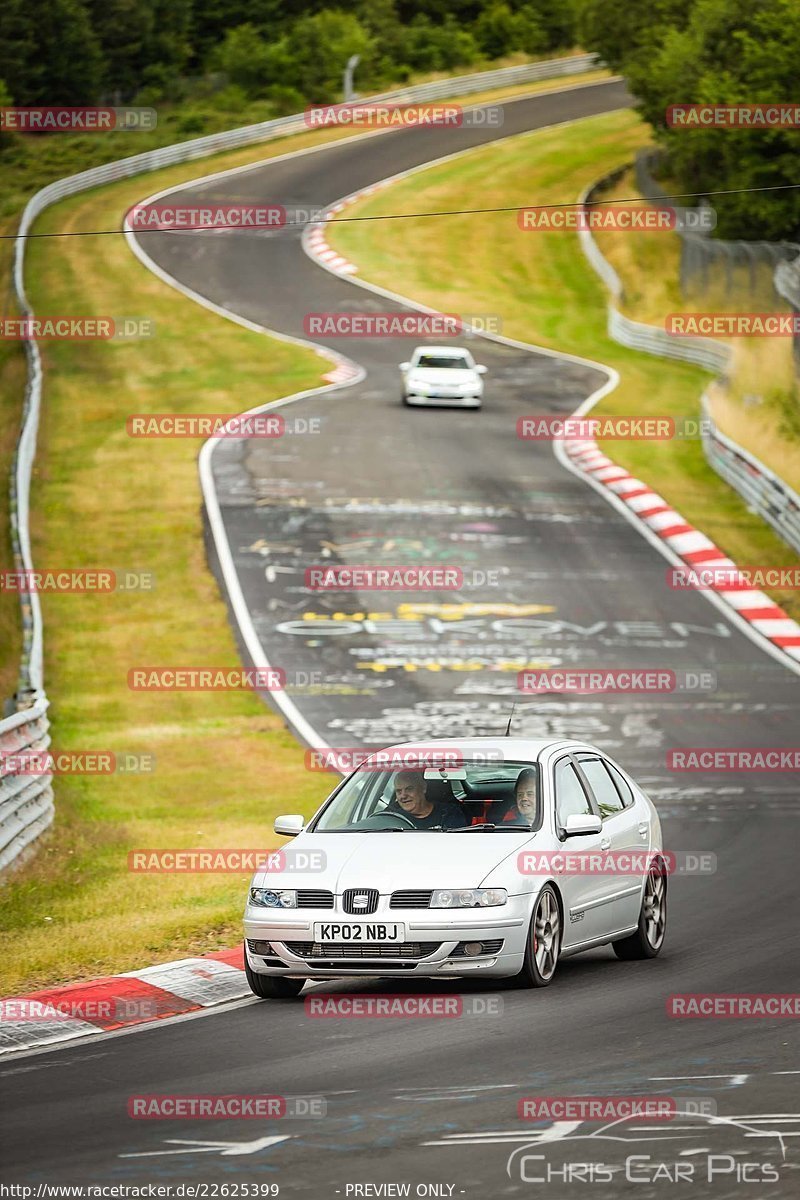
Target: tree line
(720, 52)
(290, 52)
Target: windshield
(492, 797)
(442, 362)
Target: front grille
(368, 895)
(493, 947)
(328, 950)
(411, 899)
(314, 899)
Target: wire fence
(713, 267)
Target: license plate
(358, 932)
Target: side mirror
(580, 823)
(481, 369)
(405, 366)
(289, 826)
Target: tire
(544, 942)
(648, 939)
(272, 987)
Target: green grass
(545, 292)
(224, 764)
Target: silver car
(492, 856)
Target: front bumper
(419, 401)
(442, 929)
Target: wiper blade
(469, 828)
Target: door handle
(643, 828)
(605, 843)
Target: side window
(608, 798)
(623, 787)
(571, 799)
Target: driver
(411, 799)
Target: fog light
(473, 949)
(261, 947)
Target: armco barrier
(763, 491)
(26, 803)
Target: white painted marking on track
(225, 1149)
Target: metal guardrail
(761, 489)
(765, 493)
(703, 352)
(26, 802)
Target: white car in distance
(446, 376)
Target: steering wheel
(377, 821)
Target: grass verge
(545, 292)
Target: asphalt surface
(435, 1102)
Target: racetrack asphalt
(434, 1102)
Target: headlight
(273, 898)
(469, 898)
(421, 389)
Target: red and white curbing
(99, 1006)
(314, 240)
(342, 373)
(755, 607)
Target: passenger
(526, 799)
(411, 799)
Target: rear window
(441, 362)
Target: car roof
(512, 747)
(446, 351)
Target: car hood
(437, 377)
(392, 861)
